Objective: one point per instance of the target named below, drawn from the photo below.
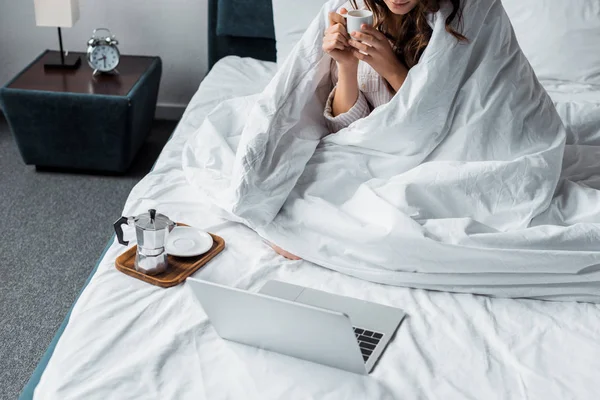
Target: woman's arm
(358, 109)
(396, 78)
(335, 43)
(346, 93)
(346, 103)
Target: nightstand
(70, 119)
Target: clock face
(104, 58)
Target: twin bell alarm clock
(102, 52)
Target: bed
(126, 339)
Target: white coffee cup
(355, 19)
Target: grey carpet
(53, 228)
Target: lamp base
(54, 62)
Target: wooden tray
(179, 267)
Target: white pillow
(561, 38)
(291, 18)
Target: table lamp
(61, 14)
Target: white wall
(175, 30)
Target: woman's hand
(284, 253)
(373, 47)
(335, 41)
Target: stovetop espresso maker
(151, 231)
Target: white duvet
(463, 182)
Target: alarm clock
(102, 52)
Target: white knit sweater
(373, 91)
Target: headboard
(242, 28)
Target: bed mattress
(129, 340)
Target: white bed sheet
(130, 340)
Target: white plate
(185, 241)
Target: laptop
(313, 325)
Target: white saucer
(185, 241)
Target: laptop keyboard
(367, 341)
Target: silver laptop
(313, 325)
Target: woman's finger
(335, 28)
(363, 57)
(360, 46)
(335, 18)
(331, 18)
(336, 38)
(366, 38)
(339, 28)
(336, 45)
(373, 32)
(340, 38)
(332, 45)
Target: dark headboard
(227, 34)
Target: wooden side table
(71, 119)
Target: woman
(370, 66)
(391, 47)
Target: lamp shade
(56, 13)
